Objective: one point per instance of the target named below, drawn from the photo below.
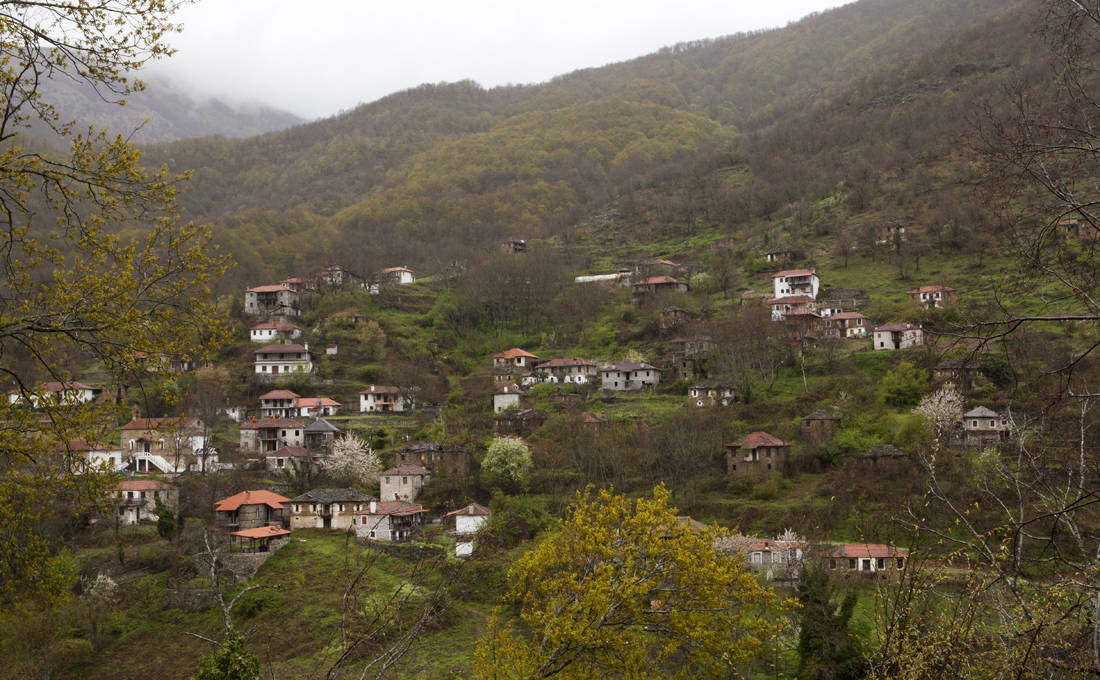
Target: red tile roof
(848, 315)
(276, 325)
(382, 389)
(167, 423)
(67, 385)
(589, 417)
(260, 497)
(757, 439)
(473, 510)
(513, 353)
(261, 532)
(566, 363)
(932, 289)
(793, 272)
(399, 508)
(792, 300)
(389, 270)
(279, 394)
(770, 545)
(866, 550)
(274, 288)
(315, 402)
(80, 445)
(144, 485)
(657, 281)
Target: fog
(315, 59)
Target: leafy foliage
(625, 588)
(230, 662)
(507, 461)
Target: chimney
(373, 507)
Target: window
(832, 563)
(404, 480)
(901, 563)
(372, 533)
(881, 563)
(851, 563)
(865, 565)
(757, 558)
(387, 480)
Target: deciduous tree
(626, 589)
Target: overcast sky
(317, 58)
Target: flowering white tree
(354, 460)
(942, 408)
(508, 459)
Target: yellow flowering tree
(95, 269)
(624, 588)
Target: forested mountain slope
(864, 105)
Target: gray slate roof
(333, 496)
(981, 412)
(322, 426)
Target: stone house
(328, 508)
(685, 355)
(316, 407)
(818, 426)
(57, 393)
(629, 376)
(169, 445)
(757, 454)
(518, 422)
(87, 456)
(984, 427)
(506, 397)
(403, 482)
(654, 285)
(568, 370)
(514, 360)
(673, 317)
(320, 435)
(962, 372)
(439, 458)
(264, 435)
(845, 325)
(275, 300)
(932, 297)
(869, 560)
(385, 399)
(396, 276)
(712, 393)
(250, 509)
(278, 404)
(275, 360)
(137, 499)
(389, 521)
(777, 559)
(897, 336)
(292, 457)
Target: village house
(292, 458)
(783, 306)
(518, 422)
(168, 445)
(467, 522)
(258, 539)
(54, 393)
(276, 300)
(778, 255)
(897, 336)
(593, 421)
(331, 277)
(890, 233)
(275, 360)
(656, 284)
(984, 427)
(264, 435)
(845, 325)
(818, 426)
(513, 361)
(403, 482)
(795, 282)
(278, 404)
(294, 283)
(92, 456)
(438, 458)
(629, 376)
(713, 393)
(802, 324)
(685, 354)
(396, 276)
(657, 267)
(316, 407)
(673, 317)
(779, 559)
(389, 521)
(569, 370)
(757, 454)
(962, 372)
(328, 508)
(932, 297)
(385, 399)
(273, 332)
(137, 499)
(320, 435)
(1076, 229)
(506, 397)
(865, 559)
(251, 509)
